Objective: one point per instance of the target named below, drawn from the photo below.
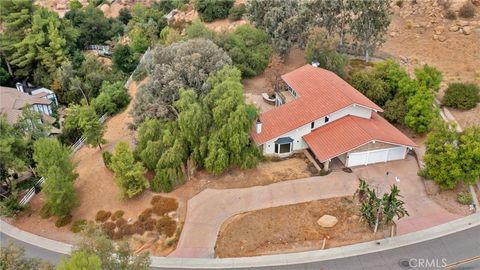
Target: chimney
(315, 64)
(19, 87)
(258, 126)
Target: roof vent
(315, 63)
(258, 126)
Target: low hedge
(462, 96)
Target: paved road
(31, 250)
(447, 249)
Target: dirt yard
(447, 198)
(293, 228)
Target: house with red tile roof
(323, 113)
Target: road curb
(269, 260)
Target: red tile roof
(320, 92)
(350, 132)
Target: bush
(461, 95)
(163, 205)
(450, 14)
(107, 158)
(399, 3)
(117, 214)
(467, 10)
(165, 225)
(145, 214)
(236, 12)
(213, 9)
(62, 221)
(465, 198)
(149, 224)
(46, 211)
(113, 97)
(120, 222)
(127, 229)
(102, 216)
(78, 225)
(109, 228)
(10, 206)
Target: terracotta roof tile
(350, 132)
(320, 92)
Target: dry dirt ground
(293, 228)
(420, 35)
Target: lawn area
(293, 228)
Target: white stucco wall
(297, 134)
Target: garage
(375, 156)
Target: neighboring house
(13, 100)
(323, 113)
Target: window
(312, 126)
(327, 119)
(294, 94)
(283, 148)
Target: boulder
(462, 23)
(435, 37)
(476, 2)
(442, 38)
(467, 30)
(439, 29)
(327, 221)
(454, 28)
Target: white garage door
(375, 156)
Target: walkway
(210, 208)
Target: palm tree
(392, 206)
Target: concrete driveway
(210, 208)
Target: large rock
(467, 30)
(327, 221)
(454, 28)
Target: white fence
(74, 147)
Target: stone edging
(269, 260)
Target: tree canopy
(85, 119)
(169, 73)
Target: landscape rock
(476, 2)
(327, 221)
(442, 38)
(439, 29)
(467, 30)
(462, 23)
(454, 28)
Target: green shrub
(46, 211)
(107, 158)
(78, 225)
(117, 214)
(102, 216)
(213, 9)
(465, 198)
(236, 12)
(10, 206)
(467, 10)
(145, 214)
(461, 95)
(399, 3)
(62, 221)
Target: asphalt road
(439, 253)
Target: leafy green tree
(169, 73)
(113, 97)
(145, 26)
(429, 76)
(53, 163)
(129, 174)
(236, 12)
(197, 29)
(13, 258)
(441, 158)
(371, 86)
(138, 39)
(30, 124)
(469, 154)
(369, 25)
(124, 59)
(124, 15)
(92, 26)
(4, 76)
(248, 47)
(420, 111)
(112, 255)
(396, 109)
(74, 5)
(211, 9)
(283, 21)
(86, 119)
(392, 74)
(13, 147)
(321, 47)
(462, 96)
(80, 260)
